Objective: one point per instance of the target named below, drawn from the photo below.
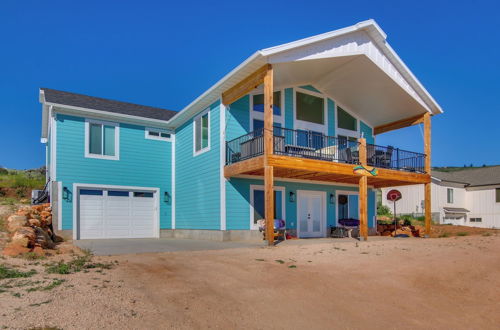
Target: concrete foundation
(213, 235)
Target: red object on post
(394, 195)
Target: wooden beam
(243, 167)
(363, 194)
(363, 208)
(269, 203)
(268, 112)
(399, 124)
(245, 86)
(427, 188)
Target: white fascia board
(370, 26)
(98, 114)
(45, 117)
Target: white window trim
(253, 187)
(207, 148)
(260, 115)
(305, 125)
(448, 195)
(346, 132)
(159, 130)
(87, 137)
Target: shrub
(462, 233)
(445, 235)
(383, 210)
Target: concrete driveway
(105, 247)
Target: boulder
(45, 214)
(13, 250)
(14, 222)
(43, 239)
(38, 250)
(34, 222)
(24, 236)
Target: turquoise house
(122, 170)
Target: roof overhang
(354, 65)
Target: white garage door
(109, 213)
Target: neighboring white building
(469, 197)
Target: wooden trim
(399, 124)
(269, 203)
(245, 166)
(245, 86)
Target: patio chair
(279, 229)
(387, 157)
(349, 225)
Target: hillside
(16, 185)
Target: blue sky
(165, 54)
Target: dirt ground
(437, 283)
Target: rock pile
(388, 230)
(30, 229)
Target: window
(118, 193)
(258, 103)
(476, 219)
(345, 120)
(450, 196)
(202, 132)
(497, 191)
(310, 108)
(101, 140)
(143, 194)
(157, 134)
(346, 141)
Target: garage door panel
(117, 214)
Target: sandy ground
(440, 283)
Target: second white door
(311, 214)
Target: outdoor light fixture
(166, 197)
(65, 193)
(332, 198)
(292, 197)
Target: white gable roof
(353, 50)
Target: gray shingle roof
(472, 177)
(98, 103)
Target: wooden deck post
(363, 194)
(268, 150)
(427, 186)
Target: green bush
(383, 210)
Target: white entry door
(113, 213)
(311, 214)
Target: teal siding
(310, 88)
(238, 202)
(197, 178)
(289, 108)
(331, 117)
(143, 162)
(353, 206)
(238, 118)
(367, 133)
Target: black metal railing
(244, 147)
(395, 158)
(314, 145)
